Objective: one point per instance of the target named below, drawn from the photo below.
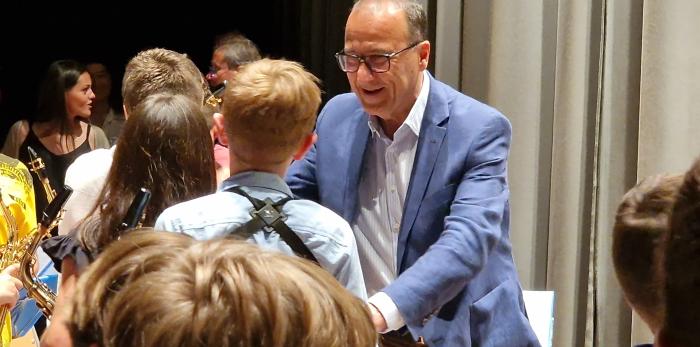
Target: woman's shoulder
(21, 127)
(15, 136)
(98, 139)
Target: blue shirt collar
(257, 179)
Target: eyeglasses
(375, 62)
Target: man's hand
(9, 286)
(377, 319)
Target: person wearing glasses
(231, 51)
(419, 171)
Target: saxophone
(36, 165)
(10, 253)
(216, 98)
(37, 290)
(44, 297)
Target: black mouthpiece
(55, 206)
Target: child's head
(639, 233)
(681, 326)
(270, 111)
(165, 289)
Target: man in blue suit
(419, 171)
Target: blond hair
(639, 233)
(269, 109)
(165, 289)
(160, 70)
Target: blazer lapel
(430, 141)
(355, 160)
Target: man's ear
(424, 53)
(305, 145)
(220, 128)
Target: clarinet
(137, 211)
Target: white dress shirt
(381, 195)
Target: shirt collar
(415, 116)
(257, 179)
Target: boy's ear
(305, 145)
(220, 129)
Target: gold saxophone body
(37, 290)
(216, 98)
(10, 252)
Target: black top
(61, 246)
(56, 165)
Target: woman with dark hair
(60, 132)
(164, 147)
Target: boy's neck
(237, 166)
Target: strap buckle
(268, 213)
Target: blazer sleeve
(470, 232)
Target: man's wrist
(388, 311)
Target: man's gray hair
(237, 49)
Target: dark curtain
(321, 26)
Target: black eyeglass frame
(363, 59)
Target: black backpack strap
(268, 213)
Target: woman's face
(79, 98)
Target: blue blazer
(457, 285)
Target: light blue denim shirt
(325, 234)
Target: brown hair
(164, 289)
(682, 264)
(161, 70)
(165, 147)
(641, 226)
(269, 108)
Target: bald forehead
(377, 14)
(389, 6)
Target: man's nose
(364, 73)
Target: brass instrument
(9, 251)
(45, 298)
(216, 98)
(36, 165)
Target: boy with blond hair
(270, 112)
